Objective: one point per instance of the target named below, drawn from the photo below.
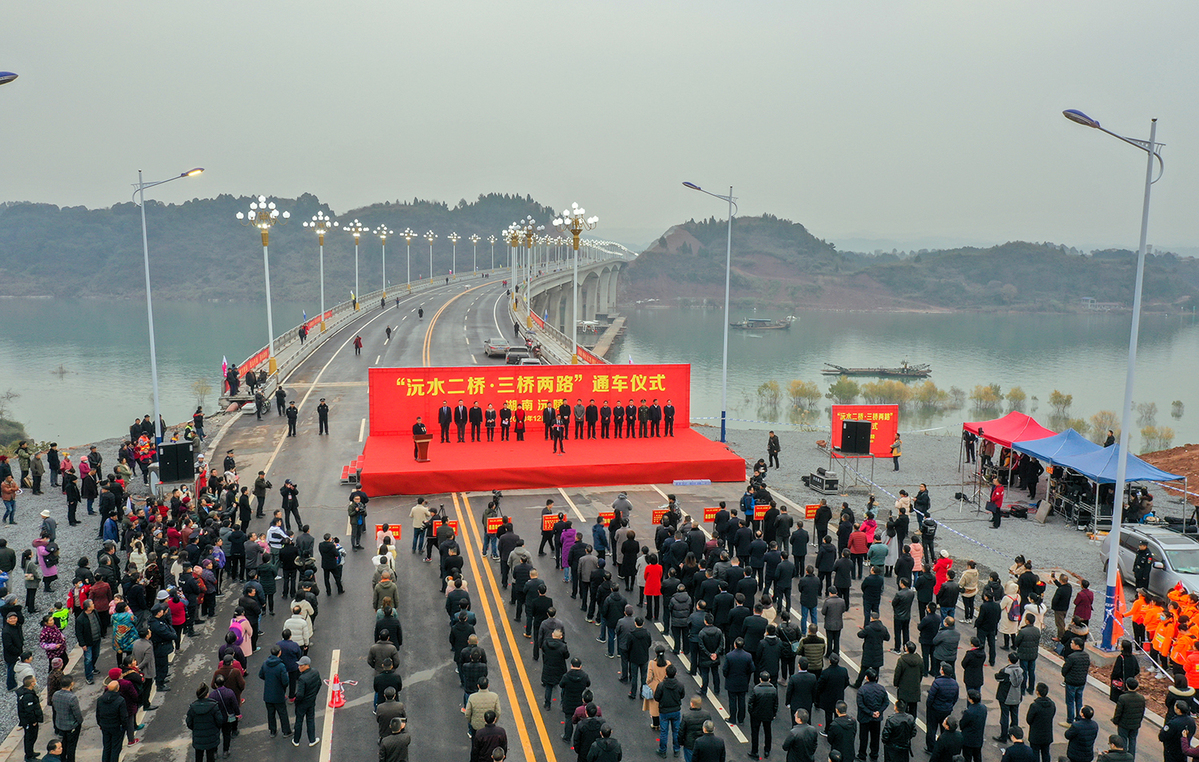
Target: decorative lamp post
(491, 240)
(474, 248)
(356, 229)
(1151, 148)
(453, 238)
(264, 216)
(383, 231)
(513, 236)
(728, 265)
(430, 236)
(140, 195)
(575, 221)
(408, 235)
(320, 225)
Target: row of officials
(652, 420)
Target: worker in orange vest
(1137, 613)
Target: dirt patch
(1183, 461)
(1153, 687)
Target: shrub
(844, 390)
(1060, 402)
(803, 394)
(1015, 398)
(1101, 423)
(769, 393)
(986, 397)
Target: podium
(422, 446)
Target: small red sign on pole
(607, 515)
(383, 530)
(452, 522)
(658, 513)
(710, 514)
(548, 521)
(809, 511)
(494, 523)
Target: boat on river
(903, 371)
(764, 324)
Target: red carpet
(389, 469)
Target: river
(1083, 355)
(81, 367)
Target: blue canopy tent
(1058, 448)
(1099, 466)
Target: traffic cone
(337, 694)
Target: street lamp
(356, 229)
(408, 235)
(491, 240)
(474, 247)
(383, 231)
(575, 221)
(320, 225)
(453, 238)
(430, 236)
(140, 195)
(263, 215)
(728, 265)
(1151, 148)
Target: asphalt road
(457, 319)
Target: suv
(516, 354)
(1175, 556)
(495, 347)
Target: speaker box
(855, 437)
(176, 462)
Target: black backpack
(52, 554)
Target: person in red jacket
(941, 570)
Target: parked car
(516, 354)
(1175, 556)
(495, 347)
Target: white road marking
(377, 359)
(361, 429)
(327, 726)
(474, 359)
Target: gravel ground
(74, 542)
(965, 533)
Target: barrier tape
(802, 426)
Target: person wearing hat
(322, 418)
(293, 414)
(230, 463)
(49, 525)
(308, 687)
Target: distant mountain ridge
(199, 251)
(778, 262)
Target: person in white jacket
(301, 630)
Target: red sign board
(494, 523)
(399, 395)
(548, 521)
(383, 530)
(658, 513)
(607, 515)
(452, 522)
(809, 511)
(710, 514)
(884, 425)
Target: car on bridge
(1175, 556)
(516, 354)
(495, 347)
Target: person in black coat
(873, 636)
(1039, 719)
(986, 623)
(949, 743)
(972, 665)
(842, 731)
(1081, 735)
(801, 689)
(973, 725)
(763, 706)
(553, 663)
(831, 685)
(204, 719)
(573, 684)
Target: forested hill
(199, 250)
(779, 263)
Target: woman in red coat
(653, 588)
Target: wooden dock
(614, 330)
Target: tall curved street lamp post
(1151, 148)
(453, 239)
(575, 221)
(513, 236)
(383, 231)
(264, 216)
(728, 266)
(474, 249)
(140, 195)
(430, 236)
(491, 240)
(408, 235)
(356, 229)
(320, 225)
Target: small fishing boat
(903, 371)
(763, 324)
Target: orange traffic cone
(337, 694)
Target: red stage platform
(388, 467)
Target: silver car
(1175, 557)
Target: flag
(305, 313)
(630, 359)
(1121, 610)
(224, 366)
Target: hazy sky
(904, 122)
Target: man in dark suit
(564, 418)
(547, 417)
(475, 416)
(668, 418)
(630, 420)
(591, 415)
(418, 428)
(461, 416)
(505, 422)
(618, 419)
(605, 417)
(655, 419)
(445, 416)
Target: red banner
(548, 521)
(381, 530)
(606, 515)
(399, 395)
(809, 511)
(710, 514)
(452, 522)
(494, 523)
(537, 321)
(884, 425)
(590, 357)
(658, 513)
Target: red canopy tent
(1013, 427)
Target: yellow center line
(509, 689)
(466, 523)
(436, 315)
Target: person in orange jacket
(1136, 613)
